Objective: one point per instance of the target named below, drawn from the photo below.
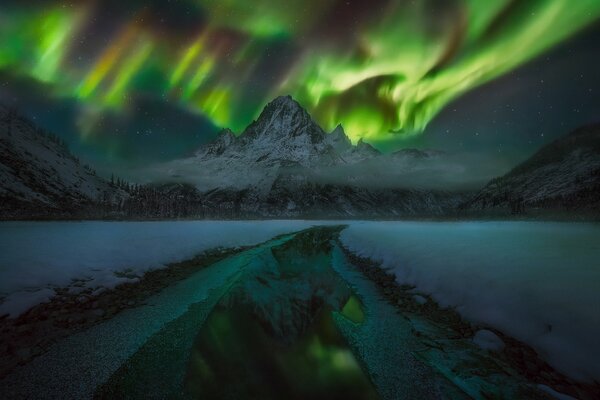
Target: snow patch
(488, 340)
(420, 299)
(537, 282)
(17, 303)
(37, 256)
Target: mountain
(40, 177)
(286, 134)
(285, 165)
(283, 137)
(563, 175)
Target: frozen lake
(35, 256)
(537, 282)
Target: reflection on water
(353, 310)
(235, 358)
(268, 334)
(273, 336)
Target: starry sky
(128, 83)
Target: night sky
(128, 83)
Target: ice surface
(38, 255)
(537, 282)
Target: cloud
(439, 171)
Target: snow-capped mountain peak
(284, 117)
(284, 134)
(218, 146)
(366, 149)
(338, 138)
(283, 144)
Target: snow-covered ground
(538, 282)
(37, 256)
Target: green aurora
(386, 69)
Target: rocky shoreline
(521, 357)
(32, 333)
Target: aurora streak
(385, 68)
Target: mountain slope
(282, 166)
(285, 165)
(284, 136)
(285, 133)
(39, 176)
(564, 174)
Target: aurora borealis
(384, 69)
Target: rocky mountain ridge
(563, 175)
(285, 133)
(285, 165)
(283, 137)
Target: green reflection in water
(234, 357)
(353, 310)
(269, 334)
(273, 336)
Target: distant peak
(219, 144)
(338, 129)
(282, 105)
(286, 102)
(361, 145)
(226, 132)
(283, 117)
(339, 136)
(283, 99)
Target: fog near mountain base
(439, 171)
(286, 147)
(204, 175)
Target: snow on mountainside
(39, 175)
(564, 174)
(283, 136)
(284, 164)
(285, 133)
